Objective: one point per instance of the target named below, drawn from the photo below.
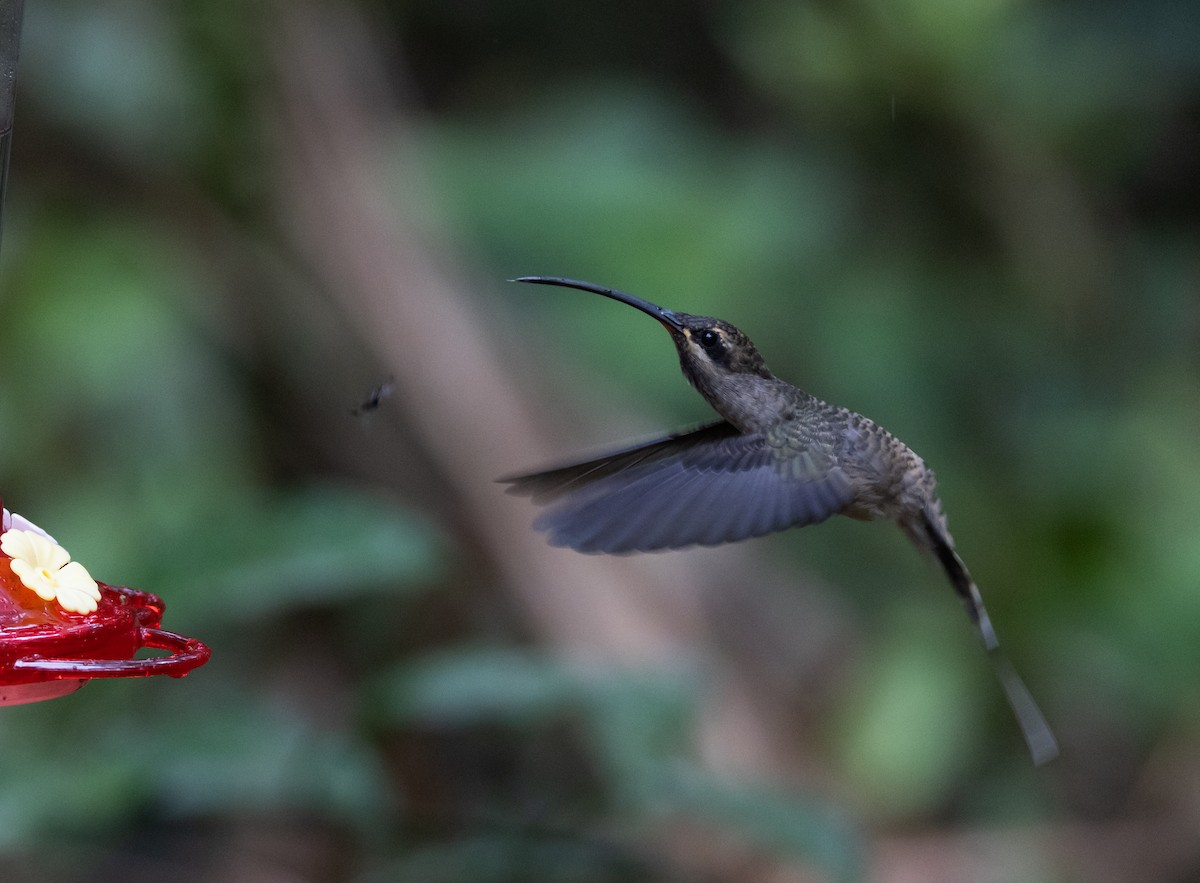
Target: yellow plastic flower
(47, 569)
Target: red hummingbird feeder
(59, 628)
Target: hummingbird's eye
(709, 339)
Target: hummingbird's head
(716, 358)
(707, 347)
(711, 348)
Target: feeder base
(19, 694)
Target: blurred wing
(708, 486)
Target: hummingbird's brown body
(779, 458)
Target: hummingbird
(778, 457)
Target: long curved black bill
(662, 314)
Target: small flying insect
(375, 397)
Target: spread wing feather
(708, 486)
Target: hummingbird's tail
(963, 584)
(931, 533)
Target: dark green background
(976, 222)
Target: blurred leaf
(637, 723)
(55, 785)
(667, 199)
(106, 753)
(783, 824)
(107, 336)
(468, 685)
(243, 756)
(910, 732)
(117, 72)
(313, 546)
(473, 684)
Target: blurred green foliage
(975, 222)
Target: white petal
(20, 522)
(17, 544)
